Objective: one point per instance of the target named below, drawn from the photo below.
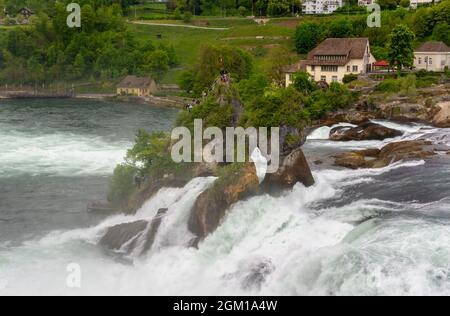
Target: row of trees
(103, 48)
(11, 7)
(235, 7)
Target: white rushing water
(301, 243)
(62, 154)
(266, 245)
(411, 132)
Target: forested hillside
(103, 48)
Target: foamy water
(355, 232)
(61, 154)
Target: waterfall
(355, 232)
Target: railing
(22, 91)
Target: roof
(135, 82)
(26, 9)
(381, 63)
(350, 48)
(299, 66)
(435, 47)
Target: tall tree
(307, 36)
(400, 47)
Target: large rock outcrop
(442, 117)
(128, 237)
(365, 131)
(117, 237)
(211, 205)
(294, 169)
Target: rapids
(356, 232)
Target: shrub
(187, 17)
(408, 85)
(303, 83)
(121, 185)
(323, 101)
(349, 78)
(389, 85)
(242, 11)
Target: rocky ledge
(211, 206)
(391, 153)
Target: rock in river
(365, 131)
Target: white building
(365, 3)
(416, 3)
(333, 59)
(432, 56)
(321, 6)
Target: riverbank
(166, 101)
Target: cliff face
(212, 205)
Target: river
(363, 232)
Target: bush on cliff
(215, 58)
(276, 107)
(121, 185)
(210, 111)
(151, 155)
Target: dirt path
(181, 25)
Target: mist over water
(363, 232)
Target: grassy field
(244, 33)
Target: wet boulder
(117, 237)
(294, 168)
(138, 235)
(442, 117)
(365, 131)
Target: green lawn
(187, 42)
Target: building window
(330, 68)
(430, 61)
(334, 79)
(348, 68)
(323, 78)
(313, 68)
(420, 61)
(355, 68)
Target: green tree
(441, 32)
(278, 7)
(158, 63)
(405, 3)
(307, 36)
(388, 4)
(341, 28)
(400, 47)
(303, 83)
